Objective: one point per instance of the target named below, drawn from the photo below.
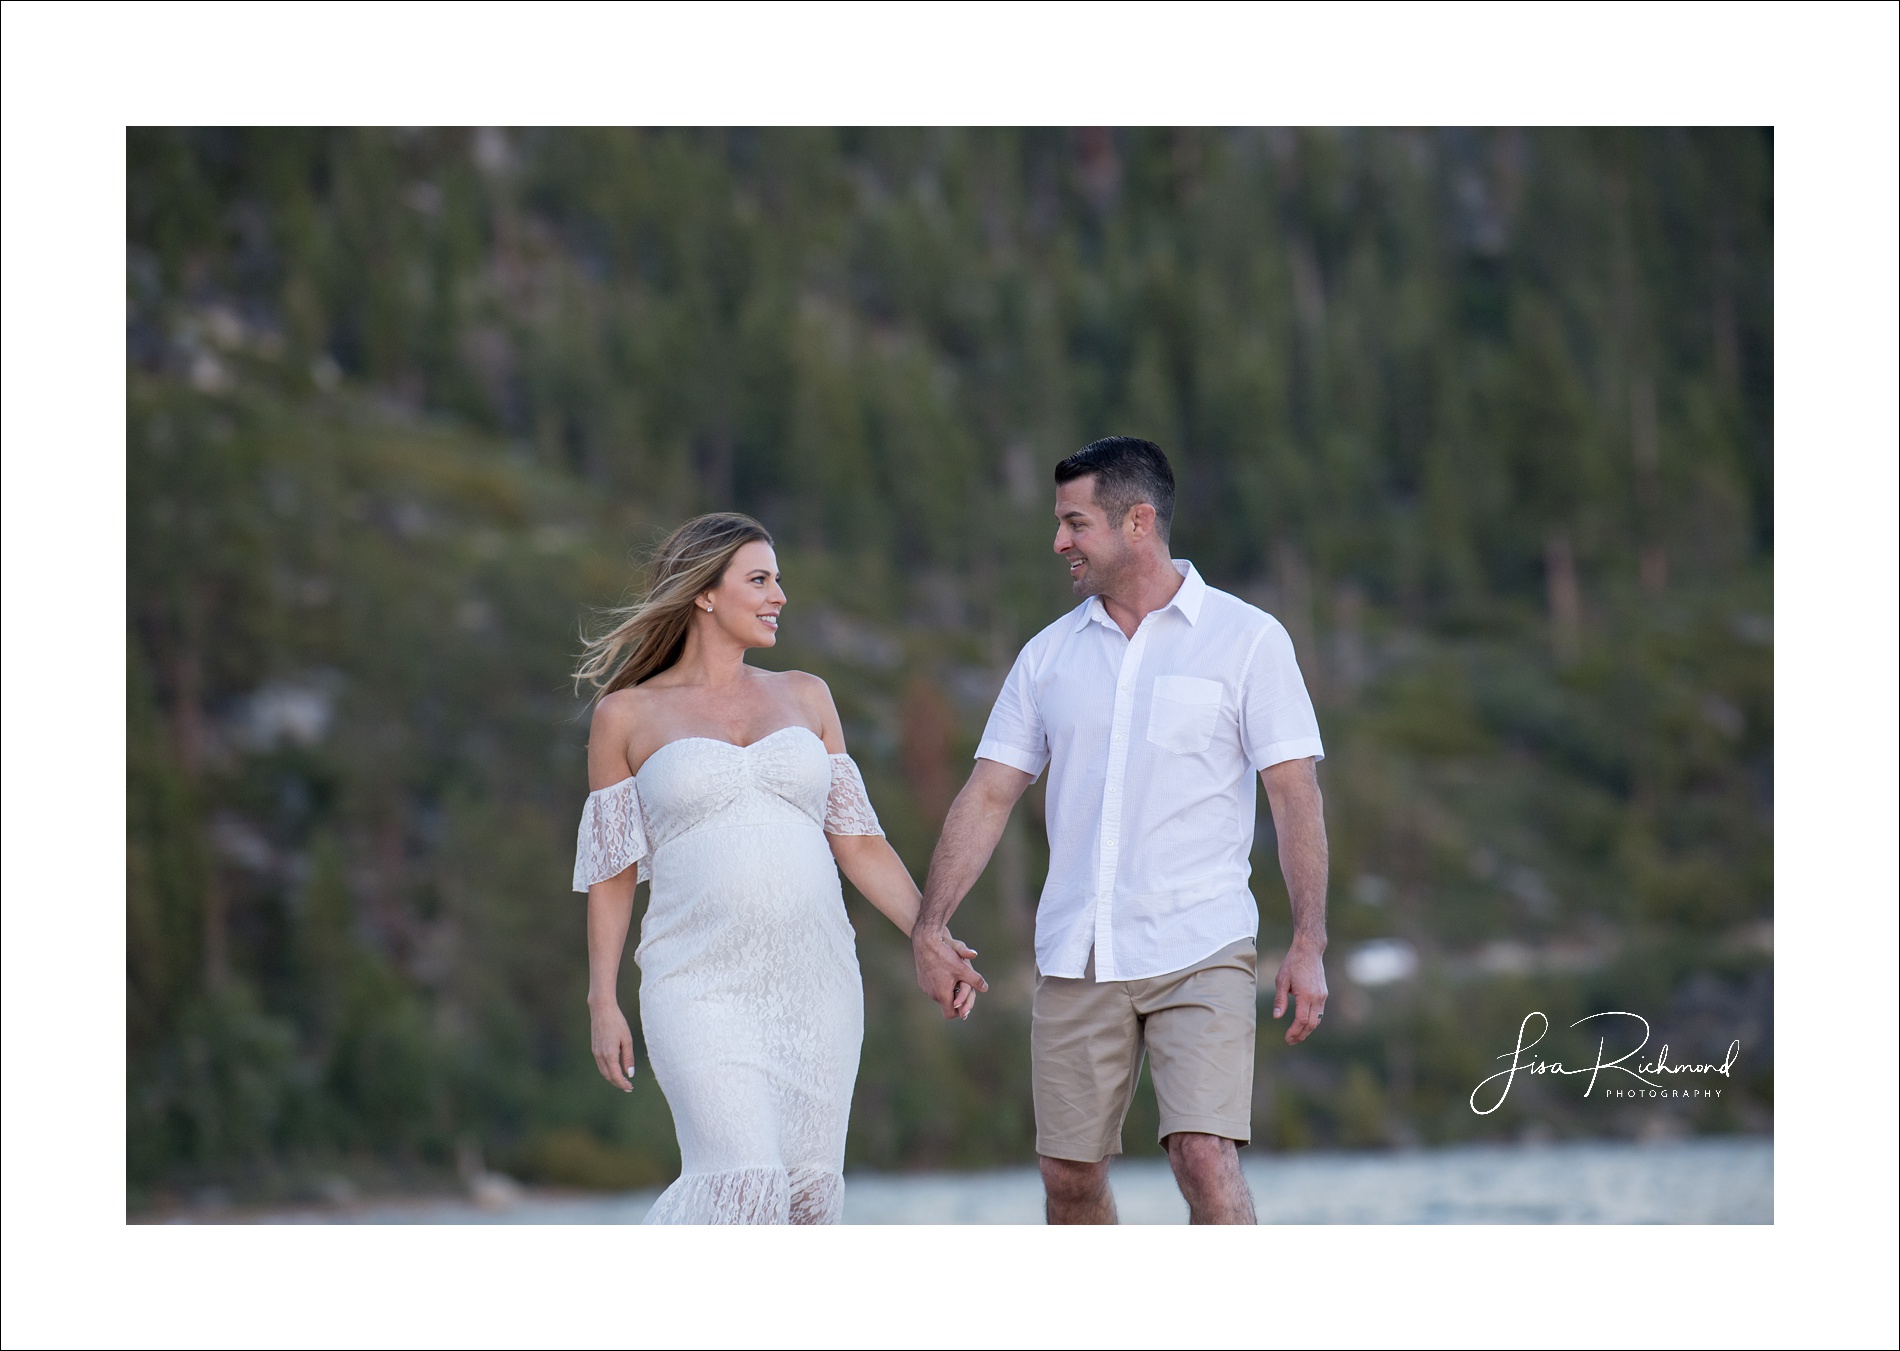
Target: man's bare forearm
(1299, 820)
(969, 836)
(970, 833)
(1304, 864)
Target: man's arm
(969, 836)
(1300, 822)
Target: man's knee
(1201, 1156)
(1065, 1180)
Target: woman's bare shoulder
(617, 718)
(800, 682)
(813, 699)
(621, 709)
(808, 691)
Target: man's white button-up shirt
(1152, 745)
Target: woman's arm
(609, 916)
(868, 860)
(875, 869)
(610, 903)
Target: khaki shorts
(1086, 1040)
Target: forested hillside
(1483, 417)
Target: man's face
(1096, 551)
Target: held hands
(613, 1045)
(964, 998)
(1302, 975)
(944, 971)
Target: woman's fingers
(973, 977)
(613, 1054)
(605, 1064)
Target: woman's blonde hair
(648, 636)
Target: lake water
(1705, 1181)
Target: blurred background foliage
(1483, 416)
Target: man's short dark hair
(1127, 470)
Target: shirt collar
(1193, 591)
(1187, 599)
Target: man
(1151, 705)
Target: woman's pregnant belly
(735, 905)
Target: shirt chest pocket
(1183, 713)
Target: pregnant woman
(728, 788)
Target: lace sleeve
(848, 809)
(613, 834)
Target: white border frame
(75, 75)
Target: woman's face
(746, 602)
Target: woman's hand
(963, 998)
(613, 1045)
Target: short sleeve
(613, 836)
(1015, 735)
(848, 808)
(1276, 714)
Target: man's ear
(1141, 520)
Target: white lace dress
(750, 998)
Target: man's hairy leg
(1207, 1168)
(1077, 1193)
